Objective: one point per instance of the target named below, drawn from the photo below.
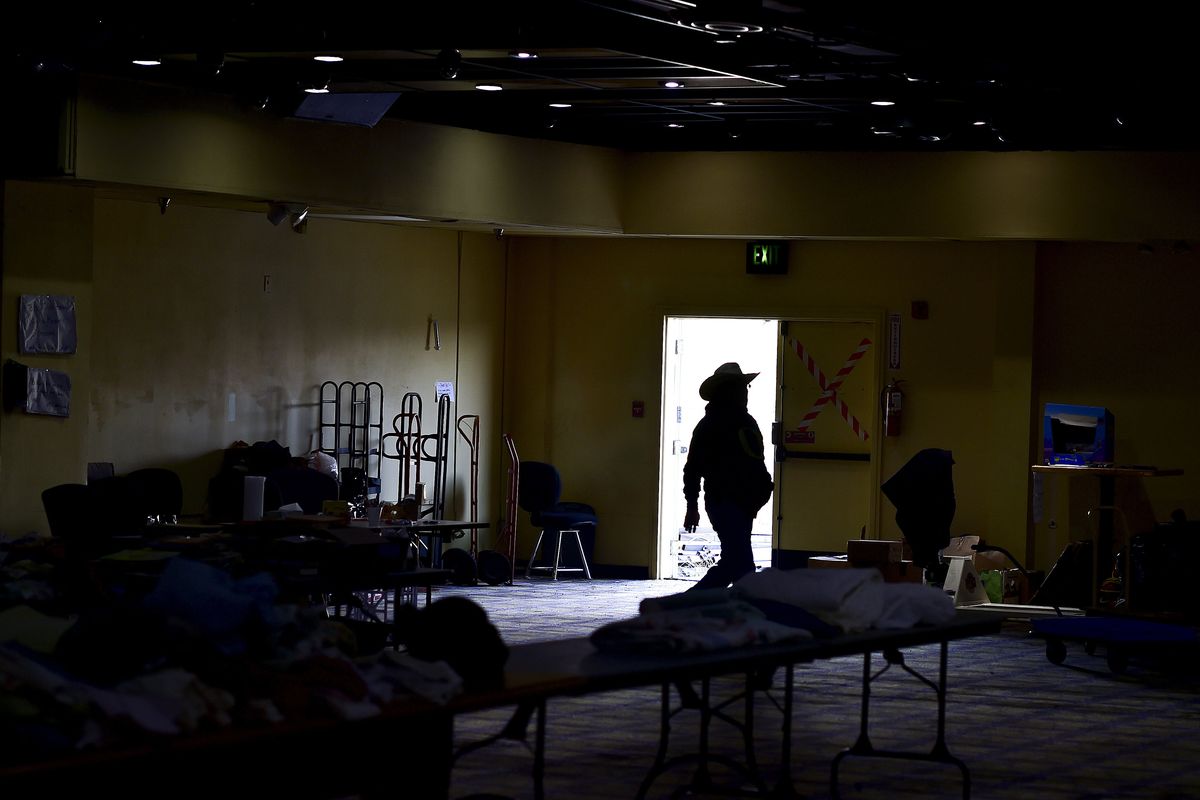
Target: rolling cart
(1120, 636)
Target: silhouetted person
(727, 452)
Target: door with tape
(826, 440)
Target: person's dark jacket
(727, 452)
(923, 493)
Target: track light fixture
(210, 62)
(277, 212)
(449, 63)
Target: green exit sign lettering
(766, 258)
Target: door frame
(760, 348)
(874, 316)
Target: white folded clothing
(908, 604)
(852, 599)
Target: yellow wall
(156, 137)
(47, 250)
(1069, 196)
(585, 339)
(175, 318)
(1119, 328)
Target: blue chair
(539, 492)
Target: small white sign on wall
(444, 388)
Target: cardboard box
(1016, 586)
(828, 562)
(874, 552)
(902, 572)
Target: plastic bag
(323, 462)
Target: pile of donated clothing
(205, 650)
(774, 606)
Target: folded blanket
(712, 626)
(688, 599)
(908, 604)
(851, 599)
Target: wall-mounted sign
(766, 258)
(893, 341)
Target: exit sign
(766, 258)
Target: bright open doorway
(694, 347)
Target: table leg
(1102, 552)
(940, 753)
(785, 787)
(539, 753)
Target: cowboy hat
(727, 373)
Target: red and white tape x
(829, 388)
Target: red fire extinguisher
(892, 402)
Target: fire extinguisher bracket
(892, 404)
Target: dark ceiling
(755, 74)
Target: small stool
(554, 570)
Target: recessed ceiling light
(716, 102)
(883, 102)
(979, 123)
(674, 124)
(523, 54)
(725, 41)
(147, 62)
(560, 105)
(330, 59)
(728, 27)
(673, 84)
(489, 87)
(324, 89)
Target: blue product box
(1077, 435)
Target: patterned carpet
(1025, 727)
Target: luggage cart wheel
(1089, 648)
(1118, 661)
(1056, 651)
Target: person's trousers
(732, 524)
